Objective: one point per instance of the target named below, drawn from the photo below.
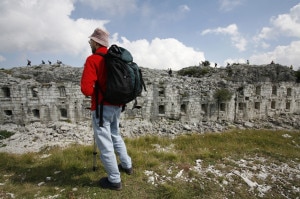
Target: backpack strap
(96, 99)
(97, 89)
(97, 108)
(101, 114)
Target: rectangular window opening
(63, 113)
(222, 107)
(273, 105)
(62, 91)
(6, 92)
(289, 92)
(257, 105)
(161, 109)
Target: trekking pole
(95, 150)
(95, 154)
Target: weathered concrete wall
(51, 93)
(30, 102)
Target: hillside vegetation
(246, 73)
(236, 164)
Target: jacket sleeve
(89, 77)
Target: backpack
(124, 79)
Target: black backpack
(124, 79)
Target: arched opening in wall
(8, 112)
(222, 107)
(288, 105)
(6, 91)
(273, 105)
(62, 91)
(63, 113)
(257, 105)
(274, 90)
(241, 106)
(258, 90)
(36, 113)
(34, 92)
(289, 92)
(183, 108)
(161, 92)
(161, 109)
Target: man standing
(107, 137)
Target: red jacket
(93, 68)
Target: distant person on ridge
(108, 138)
(28, 62)
(170, 72)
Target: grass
(67, 173)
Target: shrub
(194, 71)
(206, 63)
(5, 134)
(222, 95)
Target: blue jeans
(109, 141)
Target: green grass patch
(68, 173)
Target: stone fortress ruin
(50, 93)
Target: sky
(160, 34)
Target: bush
(194, 71)
(206, 63)
(222, 95)
(5, 134)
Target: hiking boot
(105, 184)
(128, 171)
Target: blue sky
(160, 34)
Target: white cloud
(2, 58)
(161, 53)
(265, 33)
(228, 5)
(232, 30)
(287, 25)
(281, 26)
(286, 55)
(114, 7)
(43, 26)
(184, 8)
(265, 45)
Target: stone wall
(52, 93)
